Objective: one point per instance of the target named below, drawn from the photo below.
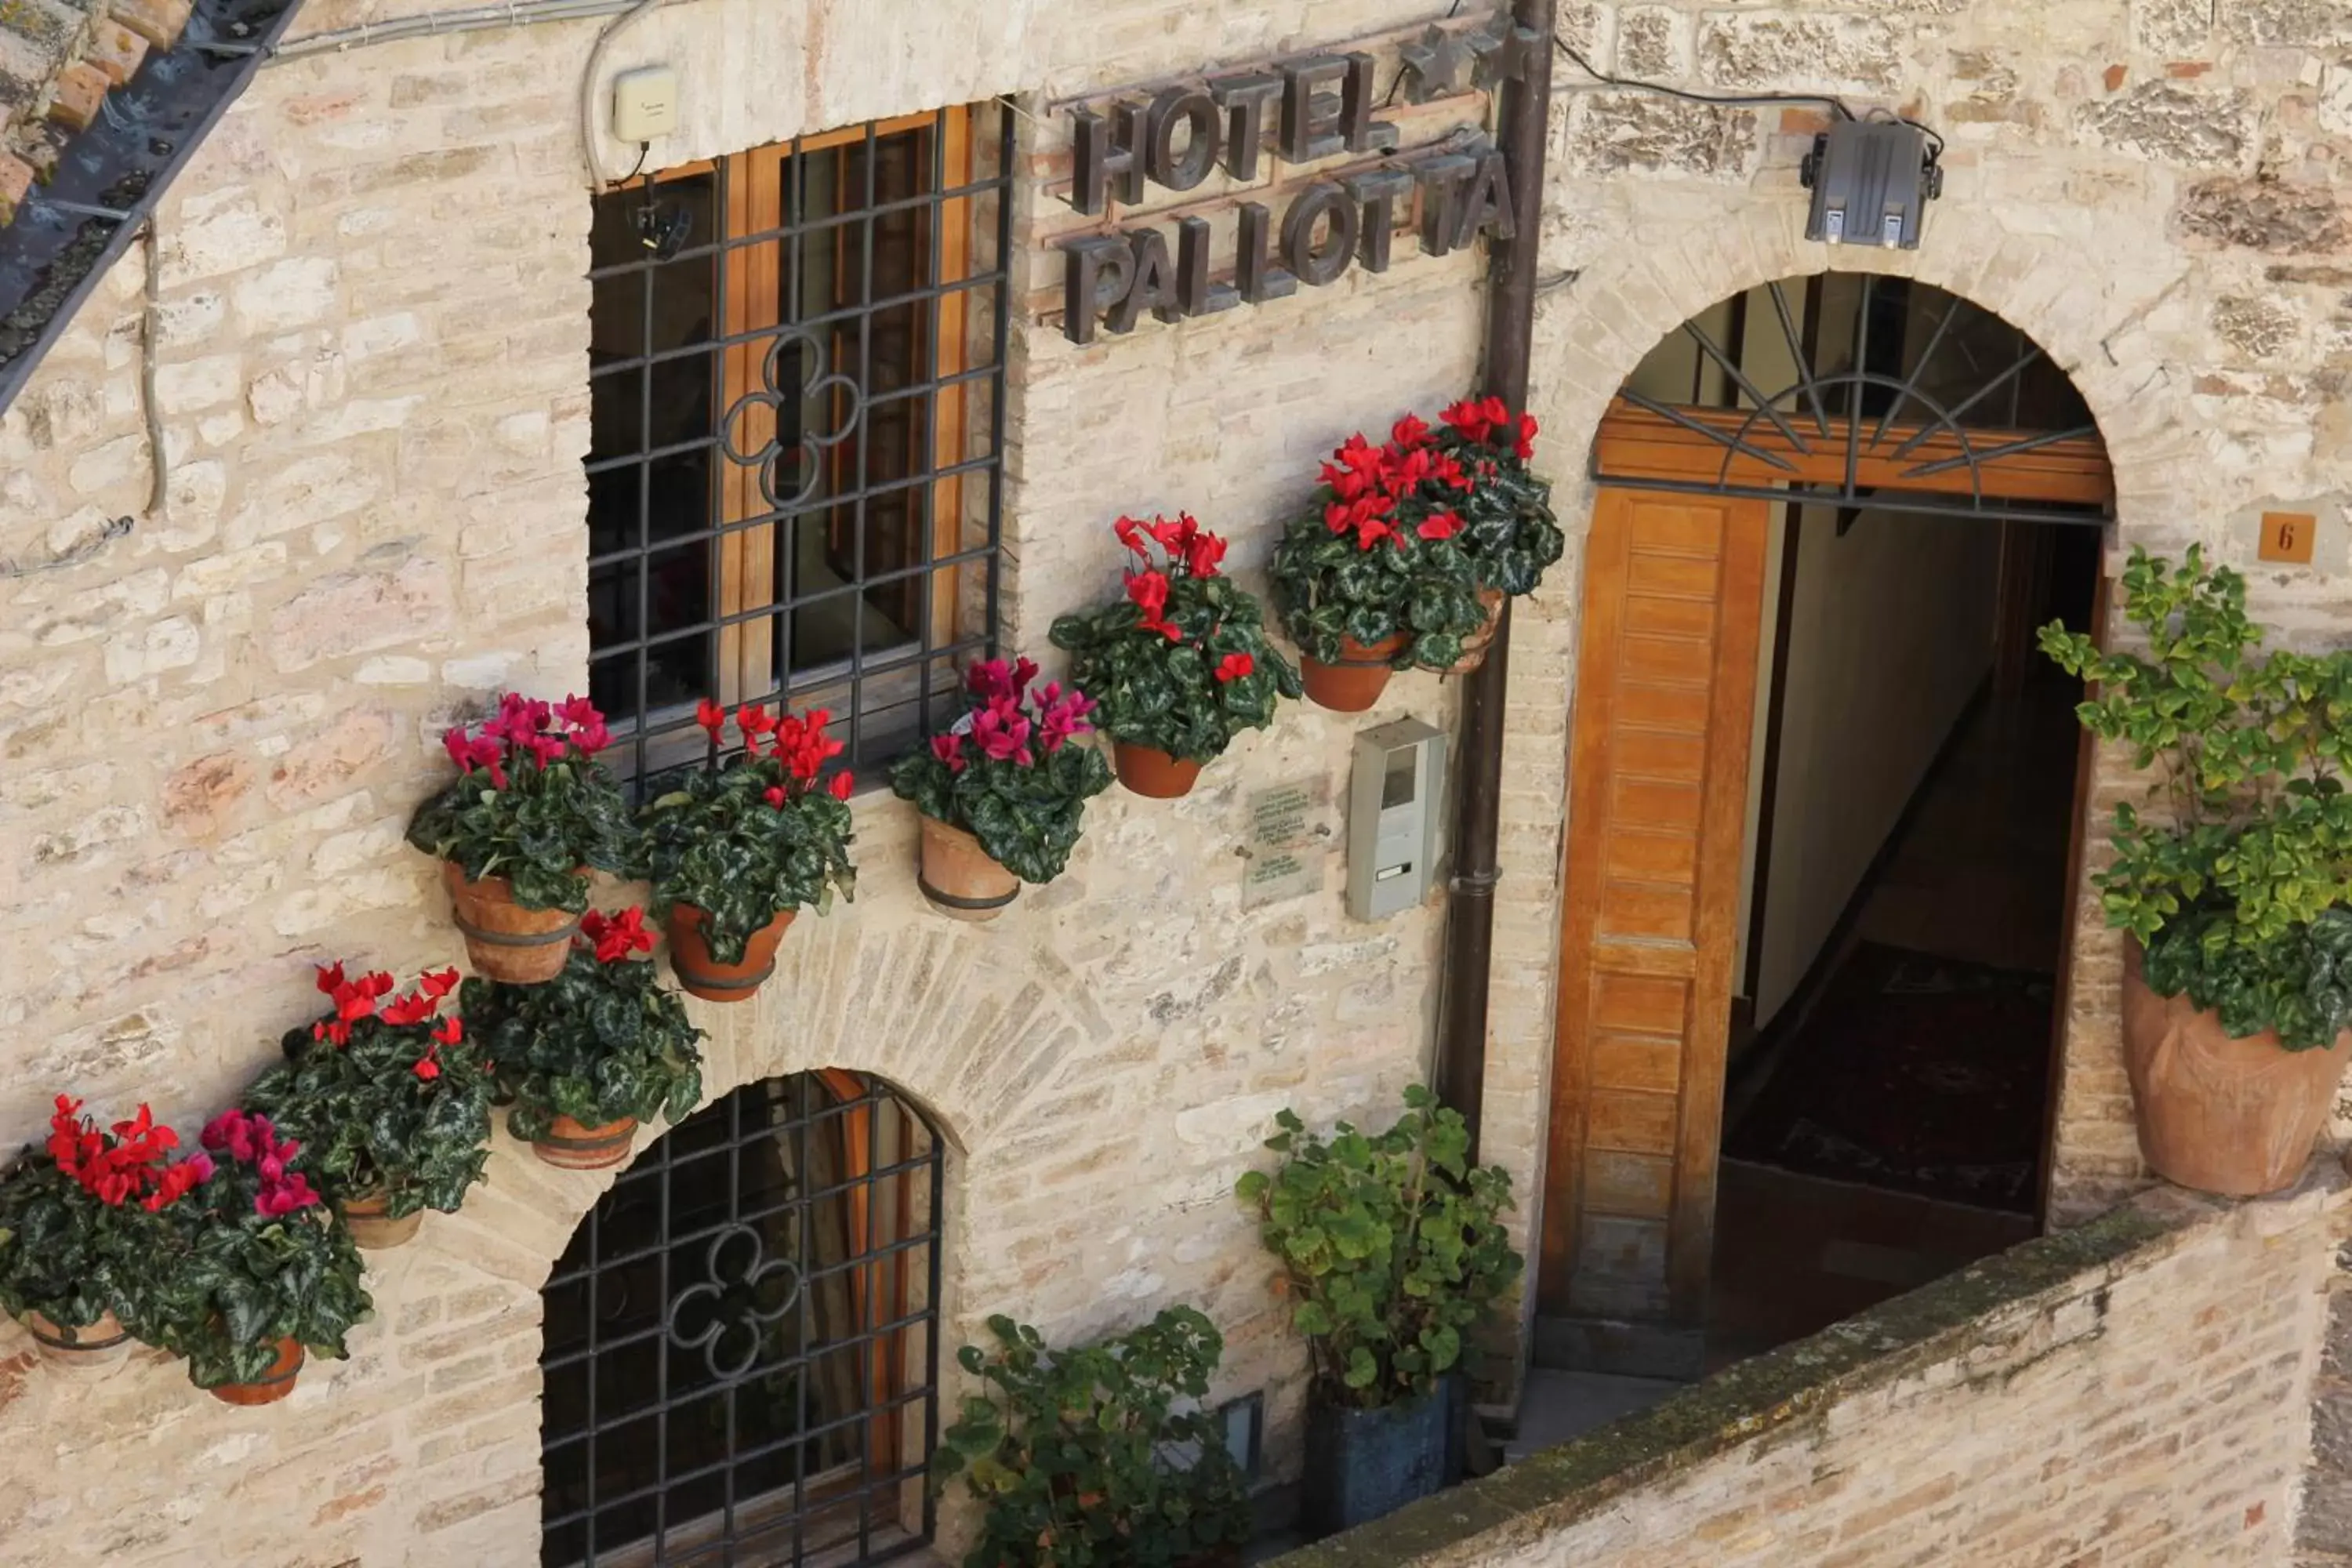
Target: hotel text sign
(1314, 108)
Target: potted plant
(2237, 959)
(1409, 550)
(1394, 1249)
(389, 1098)
(258, 1271)
(1003, 792)
(1370, 577)
(531, 811)
(81, 1226)
(735, 851)
(1082, 1457)
(1508, 526)
(590, 1055)
(1180, 665)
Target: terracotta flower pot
(87, 1348)
(705, 976)
(272, 1385)
(957, 877)
(572, 1146)
(375, 1229)
(2236, 1117)
(1356, 682)
(1474, 645)
(503, 940)
(1154, 773)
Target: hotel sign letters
(1308, 109)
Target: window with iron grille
(741, 1356)
(794, 474)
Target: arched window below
(741, 1353)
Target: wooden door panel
(1633, 1186)
(1666, 688)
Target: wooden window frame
(949, 473)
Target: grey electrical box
(1872, 181)
(1393, 817)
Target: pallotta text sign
(1304, 110)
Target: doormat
(1917, 1074)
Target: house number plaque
(1287, 844)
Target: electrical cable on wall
(1724, 100)
(159, 461)
(1819, 99)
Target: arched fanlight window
(740, 1357)
(1854, 390)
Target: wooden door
(1666, 692)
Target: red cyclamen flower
(1234, 666)
(616, 937)
(1150, 592)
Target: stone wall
(2136, 1391)
(372, 376)
(2152, 190)
(371, 331)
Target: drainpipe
(1478, 789)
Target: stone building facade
(369, 340)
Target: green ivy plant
(1007, 773)
(1394, 1245)
(601, 1041)
(533, 804)
(85, 1218)
(1181, 663)
(2237, 885)
(387, 1097)
(747, 840)
(257, 1258)
(1082, 1458)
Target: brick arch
(1634, 298)
(966, 1024)
(1591, 335)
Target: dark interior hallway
(1890, 1128)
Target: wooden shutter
(1658, 780)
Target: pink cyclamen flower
(1001, 731)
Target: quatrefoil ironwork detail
(727, 1303)
(814, 386)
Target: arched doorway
(740, 1359)
(1923, 454)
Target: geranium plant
(532, 803)
(1376, 561)
(1099, 1456)
(604, 1041)
(1007, 773)
(82, 1218)
(1181, 663)
(758, 833)
(1393, 1246)
(1508, 526)
(387, 1094)
(2236, 886)
(258, 1261)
